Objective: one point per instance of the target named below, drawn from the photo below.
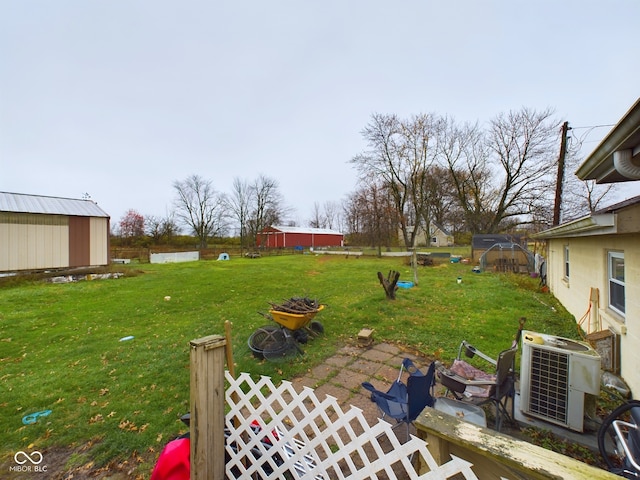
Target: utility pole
(560, 177)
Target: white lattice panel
(281, 433)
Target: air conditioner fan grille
(549, 389)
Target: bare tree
(461, 149)
(316, 216)
(200, 207)
(161, 229)
(582, 197)
(399, 157)
(331, 215)
(239, 203)
(504, 176)
(267, 206)
(443, 205)
(327, 216)
(595, 196)
(371, 216)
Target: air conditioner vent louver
(555, 375)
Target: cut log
(390, 283)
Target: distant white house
(41, 233)
(437, 237)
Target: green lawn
(60, 345)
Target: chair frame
(403, 402)
(502, 388)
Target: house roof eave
(599, 165)
(602, 224)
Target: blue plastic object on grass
(403, 284)
(33, 417)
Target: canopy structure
(507, 257)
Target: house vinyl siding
(589, 269)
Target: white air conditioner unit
(555, 375)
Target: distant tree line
(415, 172)
(207, 214)
(464, 177)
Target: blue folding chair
(403, 402)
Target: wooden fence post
(207, 408)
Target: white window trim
(610, 279)
(566, 265)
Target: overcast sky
(119, 99)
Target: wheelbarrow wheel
(301, 335)
(316, 327)
(265, 337)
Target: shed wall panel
(4, 246)
(33, 242)
(79, 241)
(99, 233)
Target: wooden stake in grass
(390, 283)
(229, 348)
(230, 365)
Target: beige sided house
(43, 233)
(593, 263)
(439, 237)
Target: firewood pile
(297, 305)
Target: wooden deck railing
(498, 456)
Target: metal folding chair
(403, 402)
(467, 383)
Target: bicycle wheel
(619, 439)
(282, 350)
(265, 337)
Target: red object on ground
(173, 462)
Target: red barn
(291, 237)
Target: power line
(576, 142)
(594, 126)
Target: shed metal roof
(481, 241)
(23, 203)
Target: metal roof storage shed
(41, 233)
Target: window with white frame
(566, 262)
(615, 261)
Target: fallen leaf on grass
(97, 418)
(128, 426)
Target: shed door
(79, 242)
